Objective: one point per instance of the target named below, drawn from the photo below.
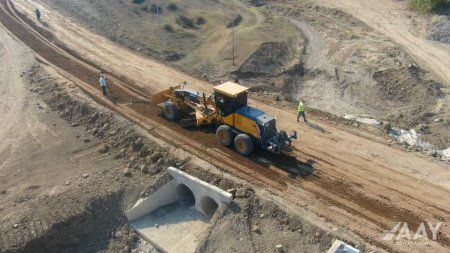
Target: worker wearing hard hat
(301, 110)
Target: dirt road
(393, 19)
(363, 185)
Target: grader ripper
(227, 108)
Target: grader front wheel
(225, 135)
(170, 110)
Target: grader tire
(170, 110)
(225, 135)
(244, 144)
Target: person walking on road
(38, 14)
(301, 110)
(103, 83)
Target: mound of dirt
(269, 59)
(408, 98)
(406, 85)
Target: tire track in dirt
(202, 142)
(121, 95)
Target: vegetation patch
(172, 7)
(185, 22)
(200, 21)
(429, 5)
(138, 1)
(173, 56)
(168, 28)
(235, 22)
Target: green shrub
(168, 28)
(236, 21)
(172, 7)
(428, 5)
(200, 21)
(138, 1)
(185, 22)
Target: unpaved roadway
(393, 19)
(363, 184)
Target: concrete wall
(163, 196)
(203, 193)
(200, 189)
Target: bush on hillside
(185, 22)
(235, 22)
(200, 21)
(429, 5)
(168, 28)
(172, 7)
(138, 1)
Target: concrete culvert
(185, 195)
(209, 205)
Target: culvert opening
(185, 195)
(209, 205)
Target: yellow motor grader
(237, 123)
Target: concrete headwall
(200, 189)
(163, 196)
(206, 196)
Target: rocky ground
(109, 164)
(440, 27)
(104, 163)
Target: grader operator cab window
(229, 97)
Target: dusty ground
(309, 52)
(363, 184)
(65, 191)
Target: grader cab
(238, 124)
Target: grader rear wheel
(244, 144)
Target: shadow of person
(45, 24)
(317, 127)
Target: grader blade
(164, 95)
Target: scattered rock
(156, 225)
(86, 140)
(84, 109)
(126, 172)
(67, 183)
(255, 229)
(16, 226)
(241, 193)
(85, 175)
(355, 124)
(143, 152)
(156, 156)
(144, 169)
(279, 248)
(153, 170)
(118, 235)
(386, 126)
(232, 191)
(103, 149)
(438, 120)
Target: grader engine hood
(275, 141)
